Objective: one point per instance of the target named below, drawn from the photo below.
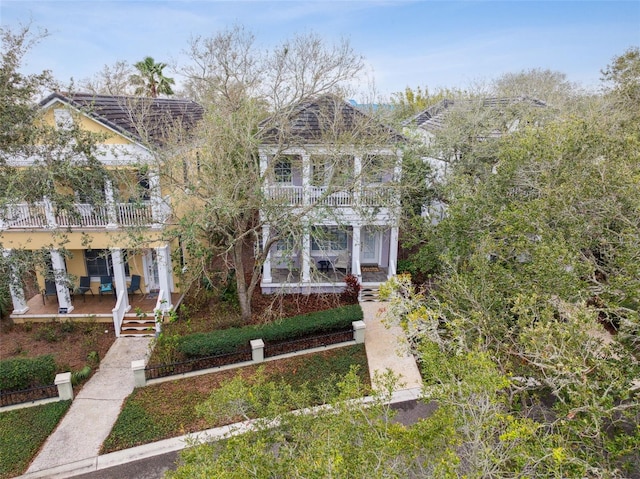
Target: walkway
(94, 410)
(387, 348)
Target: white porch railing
(319, 196)
(24, 215)
(377, 196)
(119, 311)
(86, 215)
(134, 214)
(163, 304)
(291, 195)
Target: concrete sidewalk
(95, 409)
(387, 348)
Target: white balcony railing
(82, 215)
(295, 196)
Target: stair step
(369, 294)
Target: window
(329, 238)
(343, 171)
(282, 170)
(99, 263)
(144, 186)
(374, 168)
(319, 171)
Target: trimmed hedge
(233, 339)
(24, 373)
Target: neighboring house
(335, 169)
(466, 122)
(96, 241)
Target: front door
(152, 278)
(369, 246)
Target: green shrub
(78, 377)
(230, 340)
(24, 373)
(47, 333)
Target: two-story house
(106, 248)
(335, 170)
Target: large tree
(251, 97)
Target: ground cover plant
(23, 432)
(169, 409)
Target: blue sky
(405, 43)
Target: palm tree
(150, 81)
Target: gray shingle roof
(433, 118)
(324, 118)
(134, 117)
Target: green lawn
(23, 431)
(168, 409)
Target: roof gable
(137, 118)
(325, 118)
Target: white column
(111, 205)
(306, 179)
(266, 267)
(357, 171)
(119, 276)
(49, 213)
(306, 256)
(164, 273)
(355, 251)
(393, 251)
(62, 283)
(15, 287)
(156, 199)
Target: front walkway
(387, 348)
(94, 410)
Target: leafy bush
(352, 289)
(24, 373)
(47, 333)
(231, 340)
(23, 432)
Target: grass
(23, 432)
(167, 409)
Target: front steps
(369, 293)
(137, 326)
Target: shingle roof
(433, 118)
(320, 119)
(135, 117)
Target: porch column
(393, 252)
(306, 256)
(355, 252)
(266, 267)
(164, 273)
(62, 283)
(306, 178)
(112, 217)
(15, 287)
(120, 278)
(156, 199)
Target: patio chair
(85, 287)
(106, 285)
(49, 290)
(135, 284)
(343, 261)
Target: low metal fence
(182, 367)
(11, 398)
(316, 341)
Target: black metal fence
(10, 398)
(284, 347)
(163, 370)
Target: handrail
(119, 312)
(162, 305)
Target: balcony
(43, 215)
(371, 196)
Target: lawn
(167, 409)
(23, 432)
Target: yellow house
(105, 258)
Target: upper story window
(375, 168)
(144, 185)
(282, 170)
